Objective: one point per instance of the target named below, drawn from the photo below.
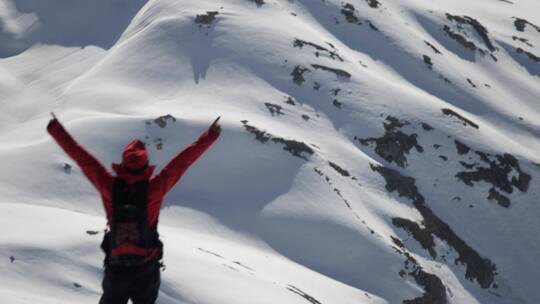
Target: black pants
(141, 287)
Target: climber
(132, 199)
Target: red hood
(134, 159)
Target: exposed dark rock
(529, 54)
(499, 198)
(294, 147)
(337, 103)
(520, 24)
(436, 146)
(258, 2)
(298, 74)
(373, 27)
(432, 47)
(466, 165)
(92, 232)
(301, 43)
(77, 285)
(394, 144)
(67, 168)
(523, 40)
(471, 82)
(242, 265)
(460, 39)
(464, 120)
(397, 242)
(339, 169)
(158, 142)
(461, 147)
(428, 61)
(210, 252)
(373, 3)
(304, 295)
(162, 120)
(11, 259)
(391, 123)
(316, 86)
(498, 173)
(339, 73)
(259, 135)
(478, 268)
(426, 126)
(274, 109)
(207, 18)
(434, 289)
(305, 117)
(348, 11)
(404, 185)
(335, 91)
(423, 236)
(478, 27)
(290, 101)
(443, 157)
(338, 192)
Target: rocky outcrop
(339, 73)
(465, 121)
(274, 109)
(530, 55)
(394, 144)
(434, 289)
(520, 24)
(162, 120)
(319, 49)
(500, 172)
(292, 146)
(477, 26)
(207, 18)
(477, 267)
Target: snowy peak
(372, 151)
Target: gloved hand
(215, 127)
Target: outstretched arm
(91, 167)
(172, 172)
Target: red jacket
(103, 180)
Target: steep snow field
(373, 151)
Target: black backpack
(130, 240)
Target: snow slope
(372, 151)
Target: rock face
(477, 267)
(435, 291)
(520, 24)
(319, 49)
(530, 55)
(502, 171)
(162, 120)
(298, 74)
(207, 18)
(465, 121)
(478, 27)
(294, 147)
(394, 144)
(339, 73)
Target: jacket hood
(134, 166)
(135, 156)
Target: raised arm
(91, 167)
(172, 172)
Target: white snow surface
(250, 222)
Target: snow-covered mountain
(373, 151)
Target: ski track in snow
(372, 151)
